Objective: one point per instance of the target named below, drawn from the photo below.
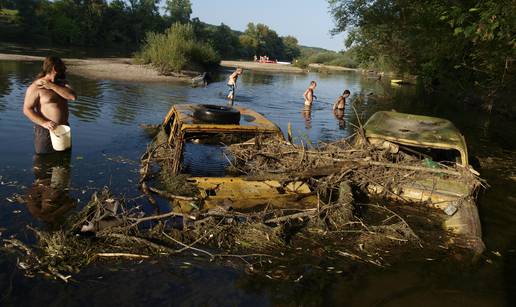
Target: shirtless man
(309, 94)
(341, 101)
(232, 83)
(46, 102)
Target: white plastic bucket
(61, 138)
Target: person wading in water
(232, 84)
(309, 94)
(46, 102)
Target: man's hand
(45, 84)
(50, 125)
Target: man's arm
(64, 91)
(30, 102)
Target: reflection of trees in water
(14, 74)
(89, 104)
(257, 78)
(5, 88)
(128, 102)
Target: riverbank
(269, 67)
(323, 67)
(119, 69)
(285, 68)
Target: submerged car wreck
(434, 141)
(407, 158)
(198, 135)
(401, 187)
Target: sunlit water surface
(107, 143)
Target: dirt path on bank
(121, 69)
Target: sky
(307, 20)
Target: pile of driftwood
(343, 226)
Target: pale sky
(307, 20)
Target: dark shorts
(42, 141)
(231, 88)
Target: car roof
(250, 121)
(416, 130)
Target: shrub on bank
(344, 61)
(177, 49)
(327, 58)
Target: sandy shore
(262, 66)
(121, 69)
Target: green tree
(292, 50)
(225, 41)
(468, 45)
(179, 10)
(259, 39)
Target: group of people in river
(338, 106)
(309, 96)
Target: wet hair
(50, 63)
(346, 92)
(313, 83)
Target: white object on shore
(61, 138)
(283, 63)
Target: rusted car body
(433, 140)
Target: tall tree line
(467, 45)
(126, 23)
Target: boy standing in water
(46, 102)
(309, 94)
(232, 83)
(341, 101)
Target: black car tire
(208, 113)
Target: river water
(107, 143)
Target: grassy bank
(325, 57)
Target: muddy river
(107, 143)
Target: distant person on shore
(255, 58)
(232, 84)
(309, 94)
(340, 104)
(46, 102)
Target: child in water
(232, 84)
(341, 101)
(309, 94)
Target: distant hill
(308, 51)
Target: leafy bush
(323, 57)
(177, 49)
(344, 60)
